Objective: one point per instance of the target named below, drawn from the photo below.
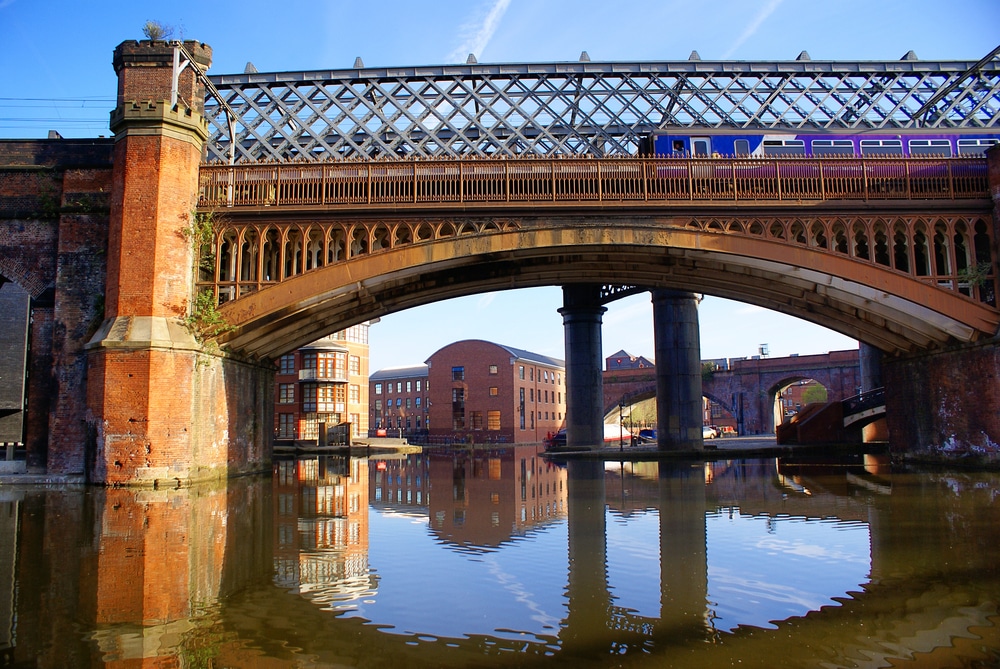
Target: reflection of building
(324, 382)
(321, 525)
(400, 483)
(483, 498)
(486, 393)
(398, 401)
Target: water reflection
(501, 557)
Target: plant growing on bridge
(707, 371)
(157, 30)
(975, 275)
(205, 321)
(201, 233)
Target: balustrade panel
(590, 180)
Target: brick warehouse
(486, 392)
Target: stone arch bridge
(748, 387)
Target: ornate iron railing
(575, 181)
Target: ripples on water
(502, 558)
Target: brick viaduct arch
(748, 387)
(876, 305)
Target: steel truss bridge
(576, 108)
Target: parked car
(708, 432)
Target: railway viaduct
(747, 388)
(139, 377)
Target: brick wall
(53, 243)
(933, 411)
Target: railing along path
(577, 181)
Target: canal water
(503, 558)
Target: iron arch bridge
(865, 259)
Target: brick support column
(161, 406)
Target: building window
(286, 393)
(378, 388)
(286, 364)
(493, 421)
(355, 362)
(521, 406)
(493, 370)
(355, 393)
(476, 420)
(531, 396)
(545, 375)
(388, 388)
(532, 420)
(399, 386)
(531, 374)
(417, 402)
(520, 372)
(458, 373)
(407, 402)
(378, 405)
(418, 385)
(494, 391)
(399, 401)
(409, 386)
(286, 426)
(458, 408)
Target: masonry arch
(867, 301)
(782, 398)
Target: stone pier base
(946, 405)
(167, 412)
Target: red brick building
(399, 403)
(325, 382)
(481, 392)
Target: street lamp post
(621, 426)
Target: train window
(930, 147)
(833, 147)
(741, 147)
(881, 147)
(701, 146)
(974, 147)
(784, 147)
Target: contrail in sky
(478, 35)
(765, 12)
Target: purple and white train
(835, 145)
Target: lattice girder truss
(582, 108)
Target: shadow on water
(500, 557)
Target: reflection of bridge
(899, 254)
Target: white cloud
(749, 31)
(477, 33)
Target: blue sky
(55, 73)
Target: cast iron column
(582, 313)
(678, 370)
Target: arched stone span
(866, 301)
(748, 387)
